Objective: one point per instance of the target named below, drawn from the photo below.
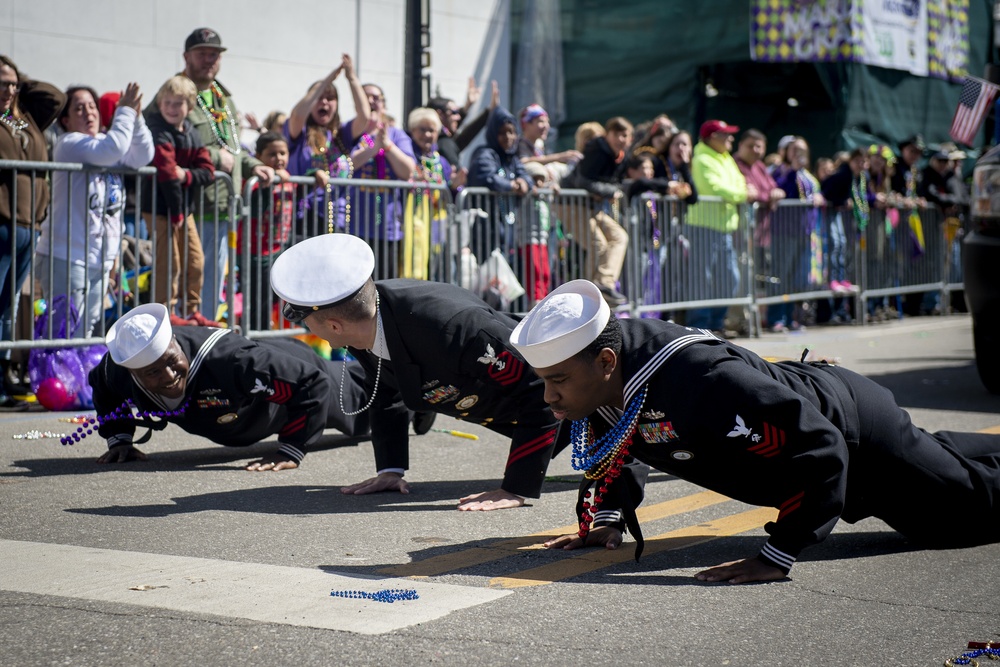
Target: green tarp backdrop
(639, 58)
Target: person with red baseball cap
(716, 174)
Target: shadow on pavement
(214, 457)
(304, 500)
(948, 388)
(511, 560)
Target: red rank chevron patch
(507, 370)
(772, 442)
(282, 392)
(532, 446)
(293, 426)
(790, 505)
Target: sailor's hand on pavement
(741, 572)
(121, 454)
(274, 462)
(602, 536)
(387, 481)
(490, 500)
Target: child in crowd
(640, 179)
(585, 133)
(183, 165)
(271, 212)
(825, 168)
(535, 251)
(599, 172)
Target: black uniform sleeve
(42, 101)
(105, 382)
(805, 466)
(533, 437)
(468, 131)
(390, 420)
(301, 388)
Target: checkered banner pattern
(835, 30)
(802, 31)
(948, 39)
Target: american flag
(973, 105)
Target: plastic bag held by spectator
(68, 365)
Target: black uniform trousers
(941, 489)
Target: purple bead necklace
(123, 411)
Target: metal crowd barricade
(126, 273)
(793, 250)
(542, 240)
(215, 218)
(677, 267)
(405, 223)
(65, 258)
(906, 251)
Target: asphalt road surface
(188, 559)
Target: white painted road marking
(267, 593)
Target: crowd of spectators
(192, 132)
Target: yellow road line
(992, 429)
(479, 555)
(588, 561)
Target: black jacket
(816, 442)
(240, 392)
(450, 353)
(597, 172)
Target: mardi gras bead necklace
(429, 170)
(802, 177)
(604, 458)
(859, 190)
(123, 411)
(378, 370)
(977, 650)
(345, 169)
(387, 595)
(13, 123)
(218, 117)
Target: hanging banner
(948, 39)
(783, 31)
(893, 34)
(923, 37)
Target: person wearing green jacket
(716, 174)
(216, 118)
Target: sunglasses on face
(296, 314)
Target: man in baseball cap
(202, 38)
(713, 224)
(710, 127)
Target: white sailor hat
(321, 272)
(140, 336)
(563, 323)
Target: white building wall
(275, 50)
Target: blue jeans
(721, 267)
(837, 246)
(13, 271)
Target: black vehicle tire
(986, 336)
